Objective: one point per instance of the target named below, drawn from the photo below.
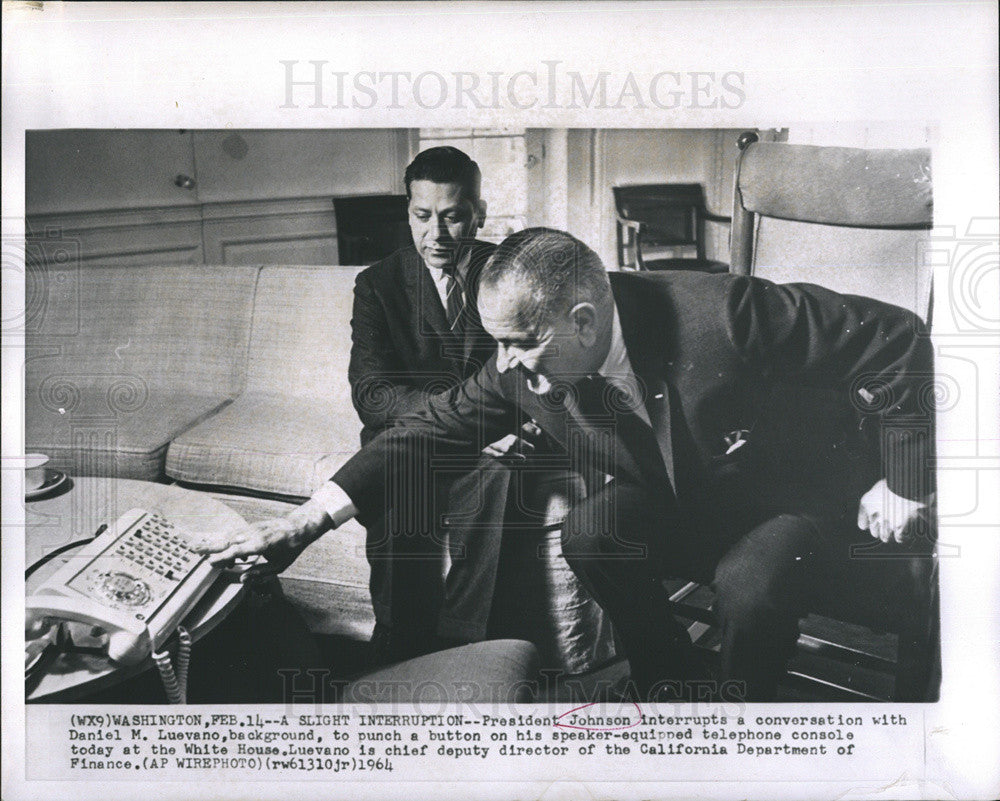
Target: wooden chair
(855, 221)
(656, 222)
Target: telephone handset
(137, 581)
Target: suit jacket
(402, 350)
(826, 393)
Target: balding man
(689, 400)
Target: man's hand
(279, 540)
(514, 446)
(886, 515)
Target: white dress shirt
(440, 277)
(617, 369)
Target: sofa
(233, 380)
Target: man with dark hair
(416, 333)
(662, 387)
(415, 322)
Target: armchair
(657, 222)
(855, 221)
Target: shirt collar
(616, 363)
(461, 269)
(617, 370)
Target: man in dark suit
(690, 398)
(416, 332)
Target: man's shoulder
(693, 299)
(408, 258)
(391, 264)
(665, 284)
(482, 248)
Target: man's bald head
(550, 271)
(545, 298)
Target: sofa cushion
(180, 326)
(118, 361)
(301, 339)
(115, 428)
(294, 425)
(266, 442)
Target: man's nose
(440, 229)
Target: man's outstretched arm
(280, 540)
(457, 421)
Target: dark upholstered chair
(853, 220)
(656, 222)
(370, 227)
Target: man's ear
(481, 213)
(584, 317)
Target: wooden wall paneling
(548, 177)
(581, 219)
(719, 190)
(124, 238)
(288, 231)
(257, 196)
(254, 165)
(97, 170)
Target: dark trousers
(416, 610)
(624, 540)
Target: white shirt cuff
(335, 502)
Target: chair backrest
(669, 210)
(853, 220)
(370, 227)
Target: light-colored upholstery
(266, 442)
(851, 219)
(846, 259)
(95, 435)
(294, 425)
(120, 361)
(849, 186)
(302, 333)
(236, 378)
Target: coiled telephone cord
(175, 679)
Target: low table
(75, 514)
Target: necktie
(454, 300)
(633, 444)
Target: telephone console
(137, 581)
